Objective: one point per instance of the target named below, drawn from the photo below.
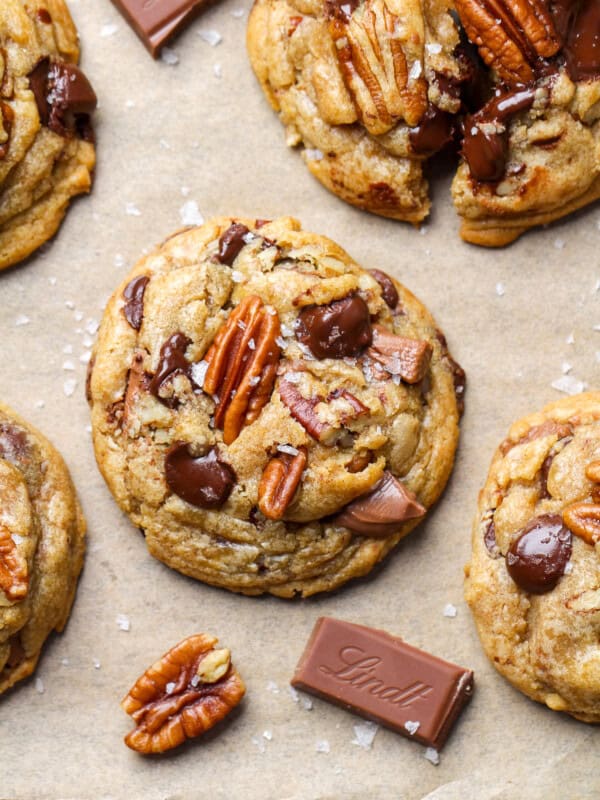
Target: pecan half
(14, 577)
(184, 694)
(583, 519)
(242, 362)
(381, 70)
(408, 358)
(512, 35)
(279, 482)
(303, 411)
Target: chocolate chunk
(156, 21)
(583, 45)
(486, 151)
(231, 242)
(435, 130)
(537, 558)
(133, 294)
(63, 95)
(388, 290)
(340, 9)
(489, 539)
(172, 361)
(408, 358)
(338, 330)
(380, 512)
(380, 677)
(205, 481)
(14, 446)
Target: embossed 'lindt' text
(359, 671)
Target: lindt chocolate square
(382, 678)
(156, 21)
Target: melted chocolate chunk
(172, 360)
(133, 294)
(582, 49)
(63, 95)
(205, 481)
(434, 131)
(484, 150)
(231, 242)
(563, 13)
(338, 330)
(380, 512)
(489, 539)
(388, 290)
(537, 558)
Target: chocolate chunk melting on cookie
(279, 417)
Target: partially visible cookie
(273, 416)
(46, 143)
(368, 88)
(533, 583)
(41, 545)
(532, 153)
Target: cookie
(532, 153)
(41, 545)
(272, 416)
(533, 583)
(368, 89)
(46, 142)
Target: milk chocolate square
(384, 679)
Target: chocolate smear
(231, 242)
(204, 481)
(388, 290)
(172, 361)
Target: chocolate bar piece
(155, 21)
(383, 679)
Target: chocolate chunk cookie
(274, 417)
(533, 583)
(368, 88)
(41, 545)
(46, 141)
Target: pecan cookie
(533, 583)
(368, 88)
(532, 153)
(46, 141)
(41, 545)
(274, 417)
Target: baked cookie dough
(533, 583)
(46, 141)
(532, 153)
(41, 545)
(272, 416)
(368, 89)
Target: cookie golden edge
(523, 677)
(371, 551)
(62, 526)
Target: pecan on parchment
(186, 692)
(242, 362)
(512, 35)
(279, 482)
(14, 577)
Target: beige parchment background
(518, 319)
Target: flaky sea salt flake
(432, 755)
(189, 213)
(39, 686)
(364, 733)
(500, 290)
(569, 385)
(122, 621)
(449, 610)
(132, 210)
(69, 387)
(211, 37)
(412, 726)
(107, 30)
(169, 56)
(322, 746)
(272, 687)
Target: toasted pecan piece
(279, 482)
(185, 693)
(242, 363)
(14, 577)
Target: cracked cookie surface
(46, 144)
(41, 545)
(274, 417)
(533, 583)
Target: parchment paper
(200, 131)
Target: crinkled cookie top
(273, 416)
